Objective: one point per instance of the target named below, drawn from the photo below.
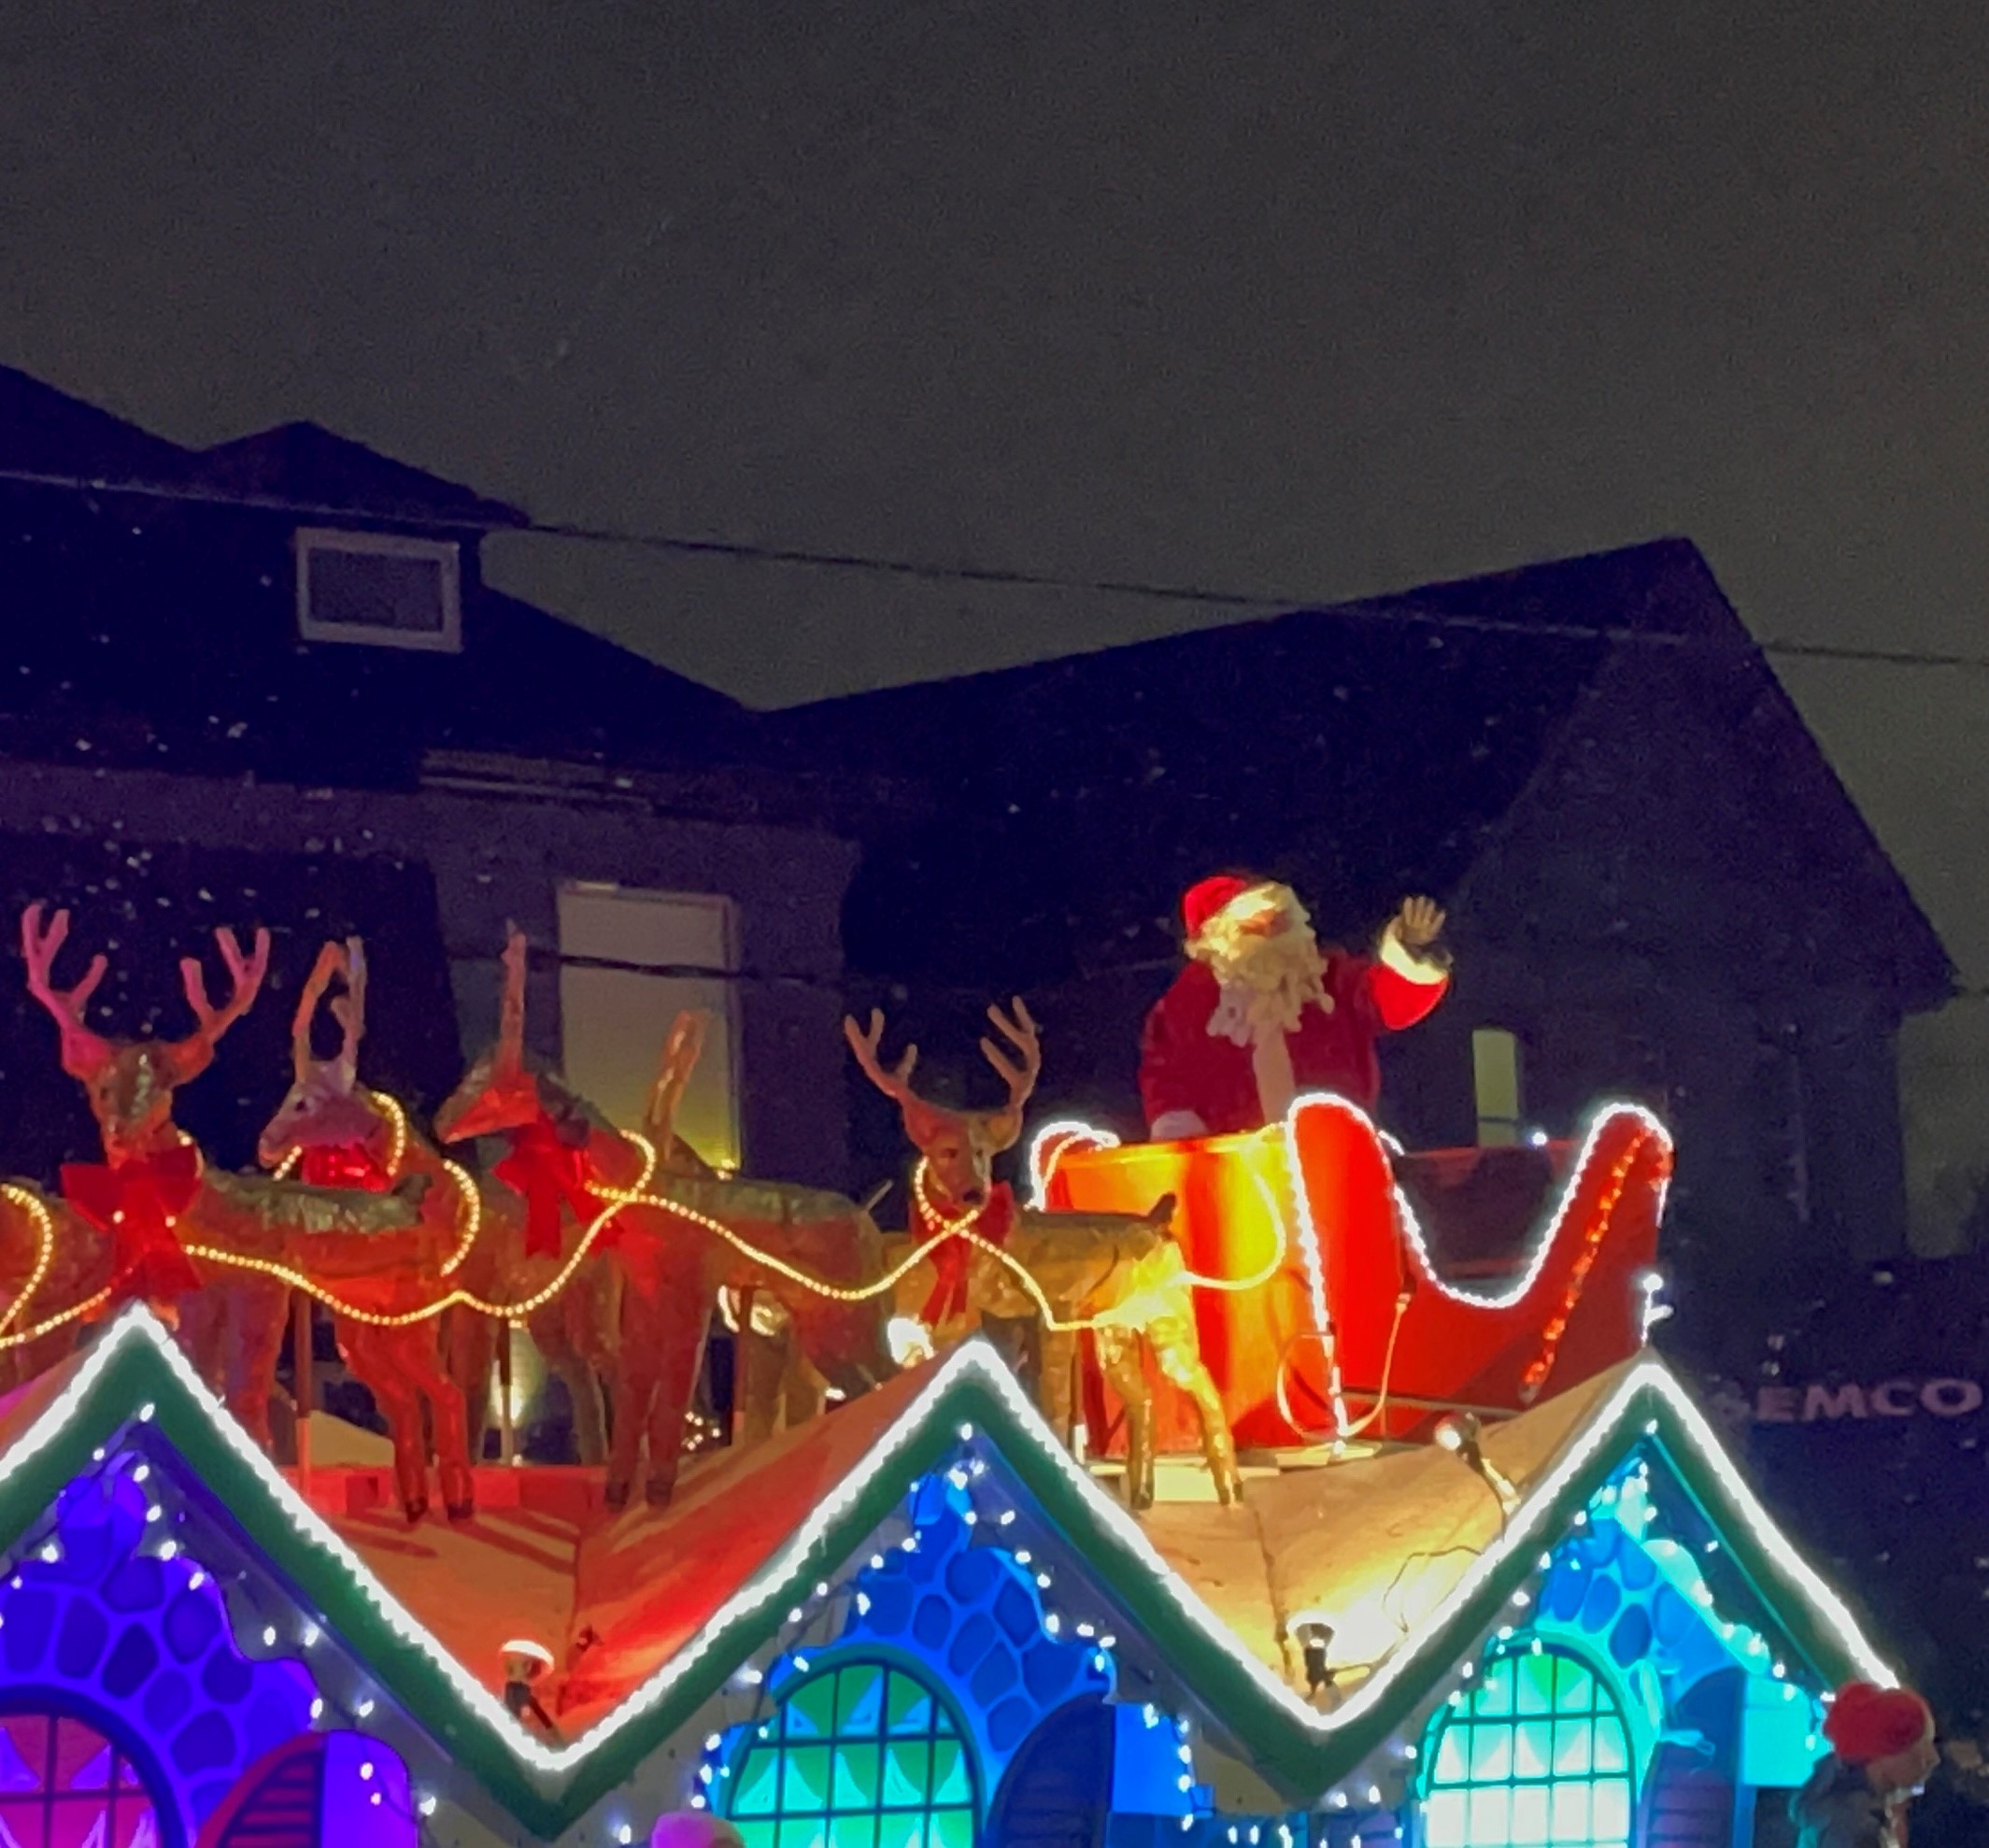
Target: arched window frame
(35, 1701)
(823, 1665)
(1611, 1689)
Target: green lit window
(1535, 1756)
(861, 1755)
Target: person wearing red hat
(1262, 1013)
(1882, 1750)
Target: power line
(1395, 609)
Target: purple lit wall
(107, 1620)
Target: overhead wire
(1388, 608)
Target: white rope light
(775, 1582)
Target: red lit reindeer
(342, 1134)
(207, 1250)
(1120, 1277)
(674, 1257)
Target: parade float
(1272, 1487)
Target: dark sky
(1292, 298)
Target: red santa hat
(1207, 898)
(1867, 1723)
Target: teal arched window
(1536, 1755)
(857, 1755)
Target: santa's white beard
(1267, 983)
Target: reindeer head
(130, 1082)
(959, 1146)
(497, 1093)
(324, 1107)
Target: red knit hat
(1207, 897)
(1866, 1723)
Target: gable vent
(381, 590)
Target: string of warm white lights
(44, 1224)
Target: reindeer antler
(349, 961)
(681, 1052)
(349, 1009)
(1021, 1032)
(84, 1051)
(245, 973)
(511, 1010)
(896, 1084)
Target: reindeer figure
(1118, 1275)
(343, 1134)
(774, 1385)
(672, 1265)
(155, 1198)
(335, 1128)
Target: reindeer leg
(1056, 1369)
(662, 1314)
(682, 1349)
(1179, 1353)
(804, 1393)
(469, 1344)
(765, 1366)
(202, 1336)
(259, 1311)
(370, 1353)
(588, 1356)
(1120, 1360)
(420, 1363)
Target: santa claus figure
(1262, 1013)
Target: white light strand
(1411, 1227)
(777, 1580)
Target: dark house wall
(172, 756)
(431, 879)
(1655, 879)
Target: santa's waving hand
(1262, 1013)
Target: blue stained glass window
(1537, 1755)
(857, 1756)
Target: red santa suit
(1207, 1068)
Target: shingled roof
(44, 432)
(303, 464)
(1361, 751)
(156, 627)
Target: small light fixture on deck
(1314, 1635)
(1460, 1433)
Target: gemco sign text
(1943, 1396)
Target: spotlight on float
(910, 1341)
(1314, 1635)
(1460, 1433)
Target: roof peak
(317, 470)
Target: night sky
(1290, 299)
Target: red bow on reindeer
(953, 1260)
(139, 1203)
(551, 1174)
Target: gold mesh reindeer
(1120, 1277)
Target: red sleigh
(1347, 1288)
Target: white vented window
(645, 957)
(379, 588)
(1495, 1081)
